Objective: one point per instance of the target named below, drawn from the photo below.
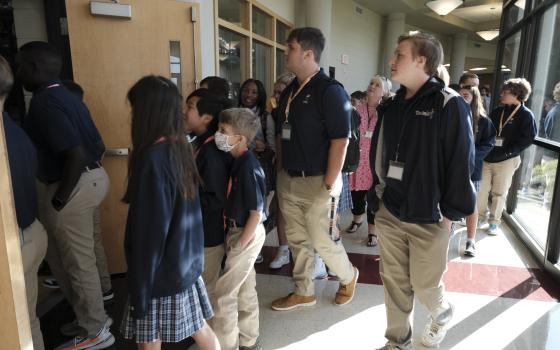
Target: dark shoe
(354, 226)
(470, 249)
(260, 259)
(257, 346)
(50, 282)
(371, 240)
(108, 295)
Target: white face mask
(222, 142)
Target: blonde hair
(243, 121)
(556, 92)
(443, 74)
(285, 78)
(385, 85)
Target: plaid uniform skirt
(169, 319)
(345, 201)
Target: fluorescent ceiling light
(506, 70)
(446, 65)
(443, 7)
(488, 35)
(476, 69)
(504, 66)
(412, 32)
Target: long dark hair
(156, 112)
(261, 99)
(477, 107)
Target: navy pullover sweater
(164, 241)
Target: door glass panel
(282, 32)
(262, 23)
(232, 58)
(280, 62)
(262, 63)
(234, 11)
(175, 63)
(534, 195)
(513, 14)
(509, 60)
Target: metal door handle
(114, 152)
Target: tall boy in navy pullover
(236, 321)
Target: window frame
(247, 58)
(530, 26)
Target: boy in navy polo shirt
(72, 183)
(236, 320)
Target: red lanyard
(209, 139)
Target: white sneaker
(103, 339)
(320, 268)
(493, 230)
(436, 330)
(282, 258)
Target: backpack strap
(319, 92)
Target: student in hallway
(424, 156)
(315, 116)
(201, 118)
(72, 183)
(23, 169)
(237, 307)
(167, 300)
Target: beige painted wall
(359, 36)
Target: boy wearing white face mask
(236, 318)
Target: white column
(318, 14)
(458, 56)
(395, 27)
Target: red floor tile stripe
(461, 277)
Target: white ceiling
(480, 13)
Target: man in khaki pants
(423, 154)
(23, 169)
(72, 183)
(315, 127)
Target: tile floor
(502, 301)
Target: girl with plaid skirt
(164, 244)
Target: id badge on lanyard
(396, 170)
(286, 131)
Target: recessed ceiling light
(476, 69)
(446, 65)
(506, 70)
(488, 35)
(443, 7)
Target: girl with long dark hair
(167, 299)
(484, 137)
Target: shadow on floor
(62, 313)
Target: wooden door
(108, 56)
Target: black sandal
(354, 226)
(371, 240)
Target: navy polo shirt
(248, 189)
(311, 132)
(23, 170)
(213, 166)
(58, 121)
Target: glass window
(234, 11)
(232, 58)
(282, 32)
(509, 59)
(546, 75)
(262, 23)
(513, 14)
(175, 63)
(280, 62)
(534, 197)
(262, 59)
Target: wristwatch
(328, 187)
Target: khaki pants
(236, 318)
(71, 250)
(100, 257)
(213, 257)
(413, 260)
(33, 250)
(496, 179)
(308, 212)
